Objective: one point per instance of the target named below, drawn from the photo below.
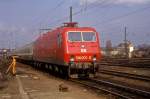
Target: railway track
(115, 89)
(137, 65)
(135, 62)
(127, 75)
(118, 90)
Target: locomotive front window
(74, 36)
(89, 36)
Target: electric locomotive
(69, 49)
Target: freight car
(67, 50)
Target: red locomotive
(68, 50)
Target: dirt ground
(32, 84)
(3, 78)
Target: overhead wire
(100, 5)
(59, 4)
(81, 10)
(53, 9)
(121, 16)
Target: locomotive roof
(69, 27)
(72, 26)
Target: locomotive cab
(83, 51)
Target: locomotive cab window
(59, 40)
(74, 36)
(81, 36)
(89, 36)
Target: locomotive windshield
(74, 36)
(81, 36)
(89, 36)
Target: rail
(122, 91)
(135, 63)
(127, 75)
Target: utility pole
(71, 14)
(13, 40)
(125, 42)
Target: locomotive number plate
(83, 57)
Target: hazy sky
(20, 20)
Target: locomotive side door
(59, 51)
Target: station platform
(33, 84)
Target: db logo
(83, 50)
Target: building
(119, 51)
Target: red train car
(69, 50)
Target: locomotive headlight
(94, 58)
(72, 58)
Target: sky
(21, 20)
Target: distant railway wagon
(68, 50)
